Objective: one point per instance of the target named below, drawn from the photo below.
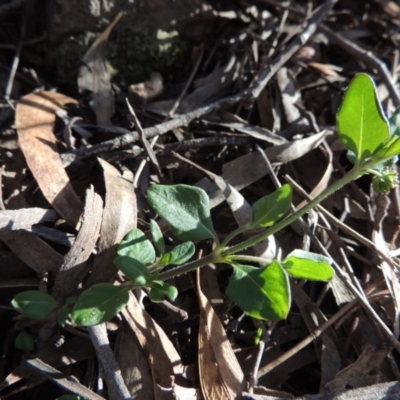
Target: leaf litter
(188, 349)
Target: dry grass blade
(221, 376)
(34, 120)
(95, 77)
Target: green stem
(233, 234)
(253, 259)
(352, 175)
(213, 257)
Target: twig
(188, 83)
(143, 139)
(117, 389)
(15, 63)
(66, 382)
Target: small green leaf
(263, 293)
(271, 208)
(390, 149)
(70, 300)
(185, 208)
(34, 304)
(181, 253)
(305, 265)
(158, 237)
(24, 341)
(137, 246)
(63, 316)
(161, 289)
(361, 123)
(69, 397)
(98, 304)
(133, 269)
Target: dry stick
(188, 83)
(15, 64)
(143, 139)
(117, 389)
(66, 382)
(257, 86)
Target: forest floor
(251, 102)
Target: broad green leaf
(157, 236)
(361, 123)
(160, 290)
(271, 208)
(34, 304)
(133, 269)
(181, 253)
(24, 341)
(137, 246)
(305, 265)
(263, 293)
(185, 208)
(98, 304)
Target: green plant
(262, 291)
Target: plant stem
(213, 257)
(236, 232)
(352, 175)
(253, 259)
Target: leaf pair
(269, 286)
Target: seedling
(373, 143)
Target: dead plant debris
(254, 104)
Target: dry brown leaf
(236, 123)
(74, 266)
(119, 217)
(163, 358)
(34, 120)
(239, 175)
(135, 368)
(95, 77)
(369, 359)
(221, 376)
(24, 218)
(34, 252)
